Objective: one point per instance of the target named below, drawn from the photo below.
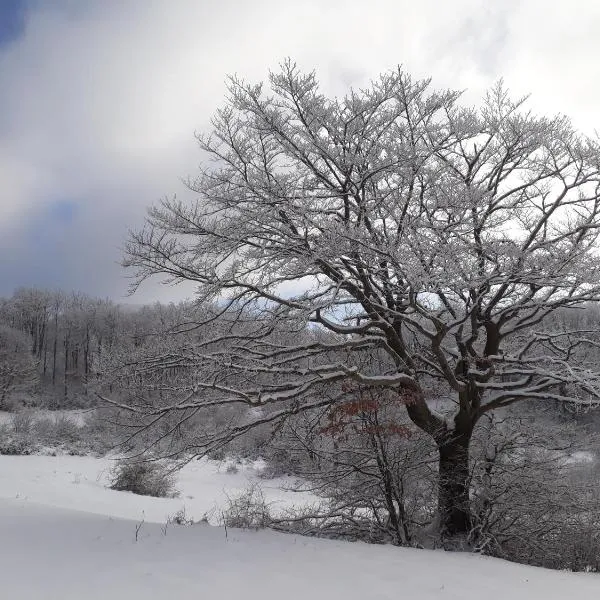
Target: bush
(16, 438)
(572, 546)
(180, 518)
(534, 504)
(144, 478)
(66, 429)
(22, 423)
(11, 405)
(28, 432)
(324, 521)
(249, 510)
(102, 432)
(232, 468)
(16, 446)
(279, 463)
(59, 431)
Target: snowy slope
(64, 536)
(55, 554)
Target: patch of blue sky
(62, 211)
(12, 20)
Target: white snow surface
(64, 536)
(81, 483)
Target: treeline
(53, 344)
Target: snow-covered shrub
(43, 429)
(61, 432)
(554, 542)
(16, 436)
(66, 429)
(16, 446)
(146, 478)
(180, 518)
(248, 510)
(532, 502)
(325, 520)
(56, 431)
(28, 431)
(232, 468)
(279, 462)
(376, 473)
(22, 423)
(102, 432)
(217, 455)
(11, 405)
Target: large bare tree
(404, 223)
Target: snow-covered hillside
(62, 539)
(55, 554)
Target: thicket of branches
(438, 237)
(533, 477)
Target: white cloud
(100, 100)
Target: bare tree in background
(18, 368)
(404, 224)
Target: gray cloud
(100, 100)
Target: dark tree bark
(65, 373)
(45, 357)
(54, 349)
(454, 511)
(454, 483)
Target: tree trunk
(55, 346)
(453, 488)
(45, 357)
(65, 379)
(454, 511)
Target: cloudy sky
(99, 99)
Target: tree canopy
(438, 237)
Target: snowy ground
(55, 554)
(80, 483)
(64, 536)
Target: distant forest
(54, 344)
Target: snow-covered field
(80, 483)
(64, 536)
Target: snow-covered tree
(18, 368)
(436, 235)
